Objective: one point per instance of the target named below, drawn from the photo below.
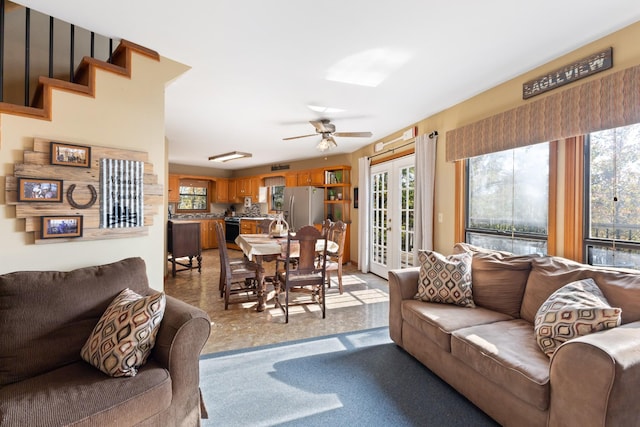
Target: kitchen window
(194, 196)
(612, 199)
(508, 200)
(276, 192)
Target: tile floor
(363, 305)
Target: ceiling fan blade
(354, 134)
(323, 126)
(296, 137)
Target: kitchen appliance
(231, 228)
(303, 206)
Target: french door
(392, 216)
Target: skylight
(368, 68)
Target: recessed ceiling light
(368, 68)
(229, 156)
(321, 109)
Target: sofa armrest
(403, 284)
(594, 379)
(182, 335)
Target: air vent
(279, 167)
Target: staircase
(39, 53)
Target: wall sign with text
(122, 203)
(588, 66)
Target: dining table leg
(261, 284)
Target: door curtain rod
(393, 150)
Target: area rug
(353, 379)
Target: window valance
(604, 103)
(274, 181)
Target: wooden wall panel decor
(81, 188)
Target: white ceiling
(258, 64)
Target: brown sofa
(46, 317)
(490, 354)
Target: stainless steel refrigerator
(303, 206)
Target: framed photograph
(39, 190)
(355, 198)
(70, 155)
(61, 226)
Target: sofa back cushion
(46, 316)
(548, 274)
(498, 278)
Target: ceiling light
(229, 156)
(326, 144)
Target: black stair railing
(36, 39)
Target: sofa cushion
(576, 309)
(498, 278)
(125, 334)
(548, 274)
(445, 280)
(78, 393)
(438, 321)
(507, 354)
(46, 316)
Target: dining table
(261, 248)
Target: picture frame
(61, 226)
(40, 190)
(63, 154)
(355, 198)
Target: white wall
(125, 113)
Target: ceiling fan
(327, 129)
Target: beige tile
(364, 304)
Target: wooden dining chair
(337, 233)
(236, 276)
(308, 275)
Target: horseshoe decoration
(94, 197)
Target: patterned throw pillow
(445, 280)
(125, 334)
(576, 309)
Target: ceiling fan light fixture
(229, 156)
(326, 144)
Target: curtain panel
(604, 103)
(425, 190)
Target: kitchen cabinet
(208, 235)
(243, 188)
(291, 179)
(249, 226)
(256, 183)
(311, 177)
(233, 195)
(174, 189)
(222, 190)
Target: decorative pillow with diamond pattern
(445, 280)
(576, 309)
(125, 334)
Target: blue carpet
(353, 379)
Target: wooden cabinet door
(174, 189)
(291, 179)
(256, 182)
(222, 190)
(204, 234)
(316, 177)
(311, 177)
(233, 195)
